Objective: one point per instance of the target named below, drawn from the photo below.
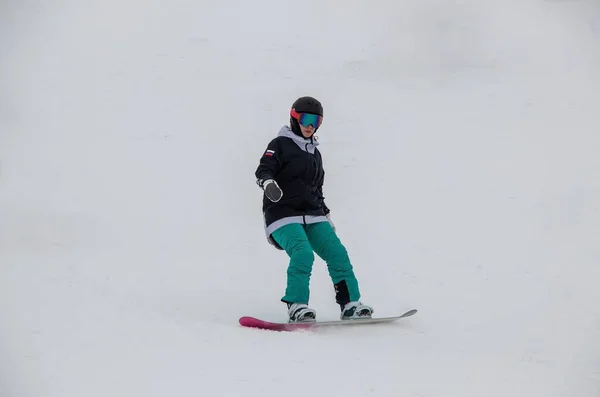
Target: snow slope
(461, 147)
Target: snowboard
(253, 322)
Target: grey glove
(272, 190)
(330, 221)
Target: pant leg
(328, 246)
(293, 239)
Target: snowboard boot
(354, 310)
(301, 313)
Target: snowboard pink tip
(253, 322)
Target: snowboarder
(296, 219)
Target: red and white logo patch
(269, 152)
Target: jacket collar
(307, 144)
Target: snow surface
(461, 143)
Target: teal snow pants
(299, 242)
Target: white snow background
(461, 144)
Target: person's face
(308, 123)
(307, 132)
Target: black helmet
(305, 104)
(308, 104)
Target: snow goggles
(306, 119)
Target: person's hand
(272, 190)
(330, 221)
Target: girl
(296, 218)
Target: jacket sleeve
(322, 198)
(327, 210)
(269, 164)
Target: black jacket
(295, 163)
